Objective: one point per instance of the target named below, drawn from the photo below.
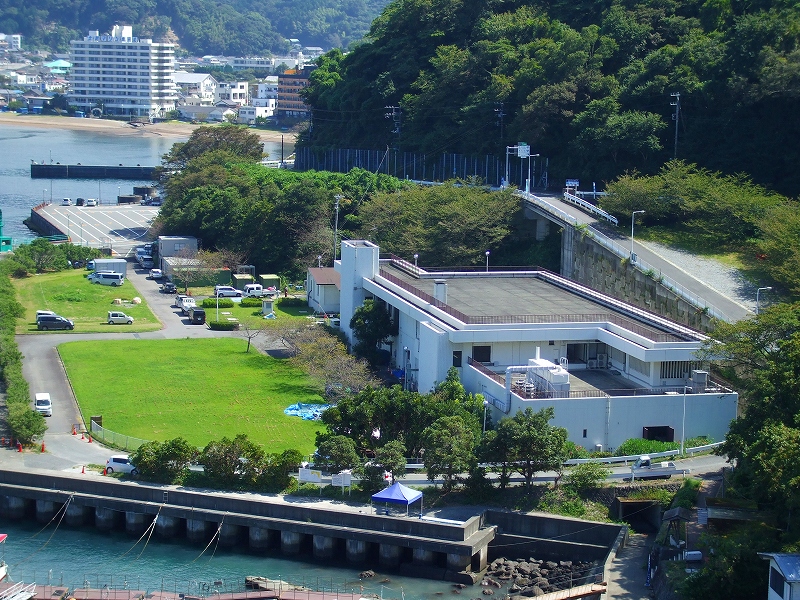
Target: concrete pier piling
(290, 542)
(356, 551)
(197, 530)
(15, 508)
(230, 535)
(167, 527)
(261, 538)
(77, 515)
(389, 555)
(324, 547)
(105, 519)
(46, 510)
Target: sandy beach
(172, 129)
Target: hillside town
(104, 75)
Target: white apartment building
(119, 74)
(13, 41)
(532, 339)
(237, 92)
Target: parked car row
(79, 202)
(47, 320)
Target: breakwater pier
(79, 171)
(418, 546)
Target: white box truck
(110, 265)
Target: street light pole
(319, 260)
(487, 261)
(416, 257)
(633, 218)
(485, 406)
(683, 425)
(217, 308)
(336, 225)
(758, 297)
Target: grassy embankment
(71, 295)
(198, 389)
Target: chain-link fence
(114, 439)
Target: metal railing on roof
(624, 322)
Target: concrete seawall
(454, 551)
(91, 172)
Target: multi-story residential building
(237, 92)
(290, 83)
(11, 42)
(200, 85)
(248, 114)
(119, 74)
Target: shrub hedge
(222, 325)
(251, 303)
(24, 423)
(292, 301)
(223, 303)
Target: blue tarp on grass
(307, 412)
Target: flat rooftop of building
(518, 297)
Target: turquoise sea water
(75, 557)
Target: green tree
(166, 462)
(586, 476)
(392, 458)
(537, 446)
(26, 424)
(449, 450)
(234, 140)
(336, 453)
(232, 463)
(372, 326)
(275, 476)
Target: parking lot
(119, 228)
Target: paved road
(733, 308)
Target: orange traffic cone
(104, 471)
(83, 438)
(90, 439)
(74, 431)
(19, 447)
(42, 446)
(83, 470)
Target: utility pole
(676, 117)
(500, 115)
(395, 114)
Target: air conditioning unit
(602, 361)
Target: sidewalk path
(627, 574)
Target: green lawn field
(199, 389)
(71, 295)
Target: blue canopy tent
(399, 494)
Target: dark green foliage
(637, 446)
(372, 326)
(24, 424)
(292, 302)
(449, 450)
(41, 255)
(165, 462)
(587, 84)
(586, 476)
(232, 463)
(221, 325)
(249, 303)
(336, 453)
(687, 495)
(223, 303)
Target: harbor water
(22, 145)
(57, 555)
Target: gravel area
(728, 281)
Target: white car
(225, 291)
(120, 463)
(43, 405)
(91, 202)
(156, 274)
(66, 202)
(115, 316)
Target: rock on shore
(533, 577)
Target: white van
(107, 278)
(43, 405)
(253, 290)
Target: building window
(776, 581)
(584, 432)
(456, 358)
(482, 354)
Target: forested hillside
(587, 83)
(228, 27)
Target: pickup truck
(186, 303)
(645, 468)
